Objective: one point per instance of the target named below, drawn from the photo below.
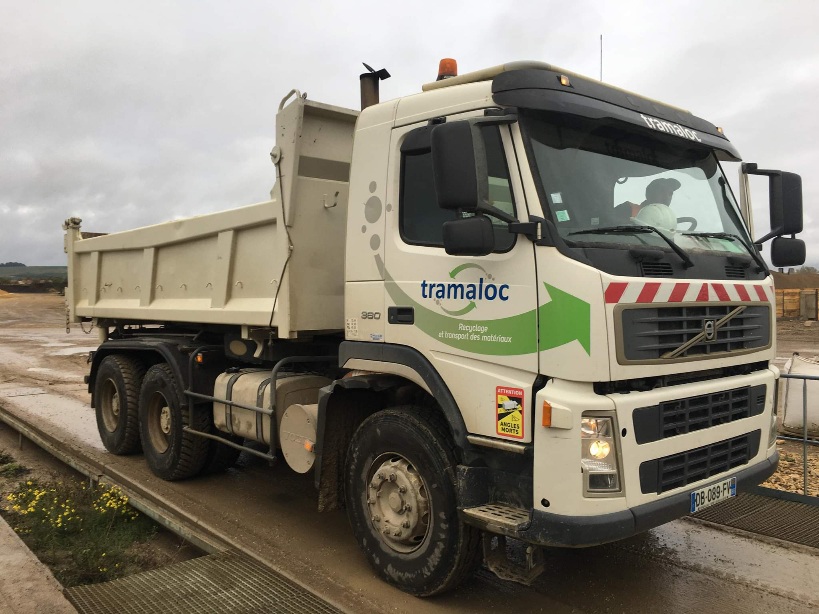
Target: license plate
(710, 495)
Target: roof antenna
(369, 85)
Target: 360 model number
(370, 315)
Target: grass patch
(12, 470)
(9, 468)
(85, 534)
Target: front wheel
(401, 501)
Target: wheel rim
(109, 406)
(159, 422)
(398, 502)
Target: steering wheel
(688, 220)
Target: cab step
(497, 518)
(522, 563)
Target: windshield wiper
(637, 230)
(732, 237)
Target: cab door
(473, 318)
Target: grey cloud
(128, 115)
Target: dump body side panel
(233, 266)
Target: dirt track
(31, 354)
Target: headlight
(599, 449)
(596, 427)
(598, 462)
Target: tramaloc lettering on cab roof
(671, 128)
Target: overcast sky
(127, 114)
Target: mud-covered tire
(171, 453)
(401, 501)
(221, 457)
(116, 402)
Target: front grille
(657, 333)
(678, 470)
(681, 416)
(734, 272)
(656, 269)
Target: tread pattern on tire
(193, 450)
(471, 542)
(469, 553)
(132, 372)
(221, 456)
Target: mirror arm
(776, 232)
(751, 168)
(494, 120)
(532, 230)
(495, 212)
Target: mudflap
(521, 567)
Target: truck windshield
(600, 179)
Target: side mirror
(469, 236)
(460, 167)
(785, 201)
(787, 252)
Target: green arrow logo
(564, 319)
(463, 267)
(459, 312)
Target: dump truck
(520, 304)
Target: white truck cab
(546, 320)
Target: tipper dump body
(229, 267)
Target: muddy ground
(27, 326)
(33, 350)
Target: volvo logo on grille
(709, 327)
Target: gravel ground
(788, 475)
(803, 337)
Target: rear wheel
(171, 453)
(220, 456)
(116, 399)
(401, 501)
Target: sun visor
(542, 90)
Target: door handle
(401, 315)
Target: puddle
(54, 373)
(72, 350)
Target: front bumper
(547, 529)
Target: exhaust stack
(369, 85)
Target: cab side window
(420, 218)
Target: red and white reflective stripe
(685, 292)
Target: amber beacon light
(447, 68)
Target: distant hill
(16, 273)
